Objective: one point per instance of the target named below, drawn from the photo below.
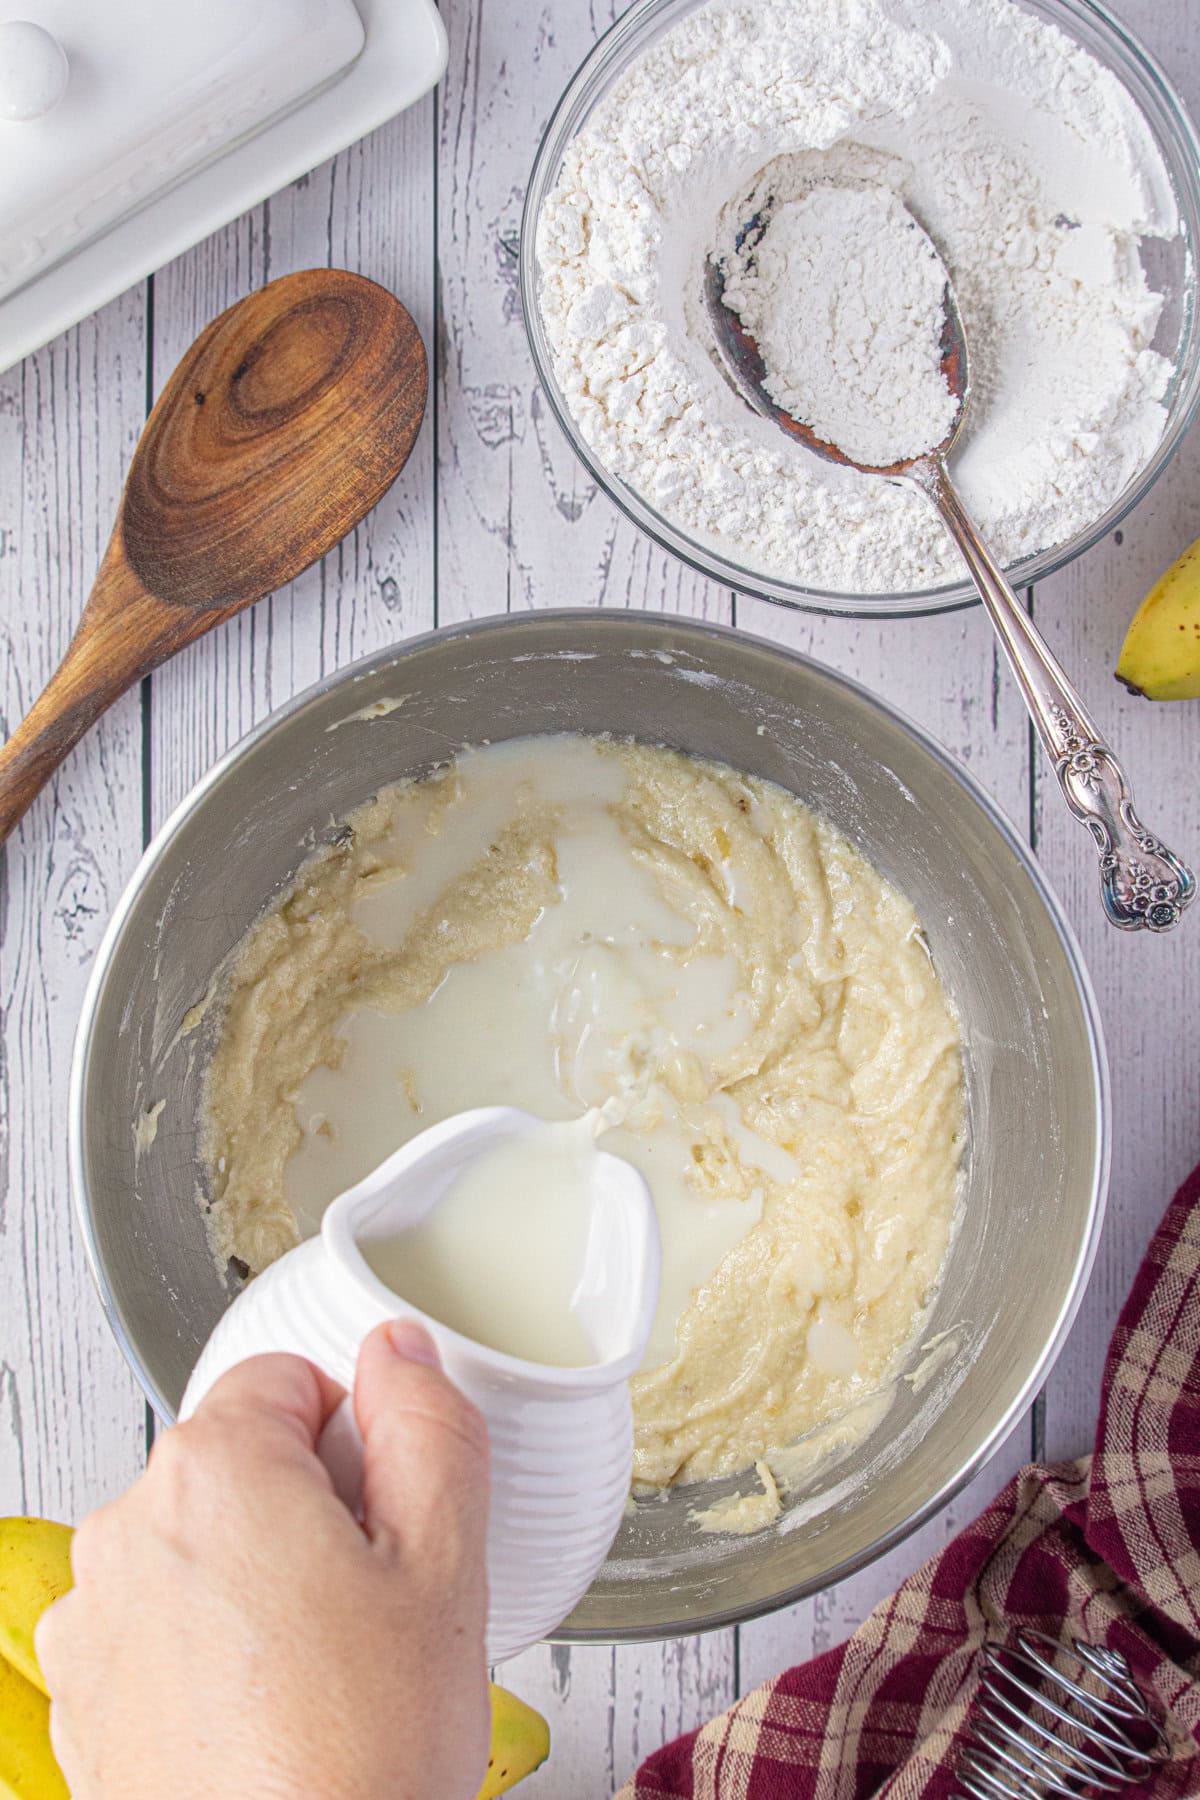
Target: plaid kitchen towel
(1106, 1549)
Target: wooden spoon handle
(33, 752)
(123, 632)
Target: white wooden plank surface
(1148, 989)
(494, 513)
(72, 1425)
(520, 523)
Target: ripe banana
(1161, 654)
(28, 1770)
(520, 1743)
(35, 1568)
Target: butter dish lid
(104, 107)
(247, 96)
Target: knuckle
(178, 1460)
(173, 1453)
(464, 1420)
(436, 1428)
(171, 1446)
(474, 1433)
(448, 1414)
(274, 1374)
(89, 1543)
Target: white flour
(1035, 176)
(843, 293)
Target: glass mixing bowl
(1171, 267)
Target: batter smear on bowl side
(565, 923)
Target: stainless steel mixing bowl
(1035, 1076)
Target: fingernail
(413, 1343)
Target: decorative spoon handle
(1143, 885)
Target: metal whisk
(1041, 1733)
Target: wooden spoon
(287, 420)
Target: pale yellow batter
(569, 923)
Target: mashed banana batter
(565, 923)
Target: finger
(284, 1398)
(87, 1541)
(425, 1447)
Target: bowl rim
(569, 112)
(686, 629)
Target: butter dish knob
(33, 70)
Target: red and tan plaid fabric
(1106, 1549)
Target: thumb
(425, 1477)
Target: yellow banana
(520, 1743)
(35, 1568)
(1161, 654)
(28, 1770)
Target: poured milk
(500, 1257)
(566, 1021)
(571, 926)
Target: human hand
(234, 1634)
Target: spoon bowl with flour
(835, 318)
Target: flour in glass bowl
(1036, 178)
(845, 296)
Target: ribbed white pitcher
(561, 1438)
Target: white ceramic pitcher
(561, 1438)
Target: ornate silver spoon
(1143, 885)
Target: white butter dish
(132, 129)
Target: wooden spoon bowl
(288, 419)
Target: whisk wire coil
(1040, 1733)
